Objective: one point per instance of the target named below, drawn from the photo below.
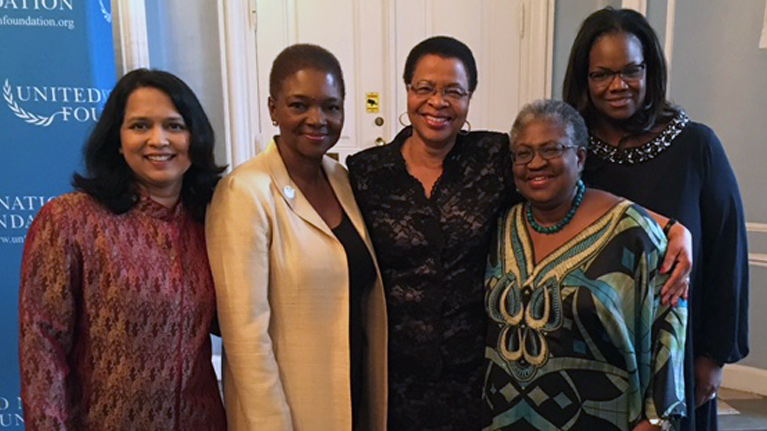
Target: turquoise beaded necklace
(548, 230)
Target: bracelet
(669, 224)
(663, 424)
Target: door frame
(129, 28)
(237, 22)
(239, 63)
(237, 30)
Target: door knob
(380, 141)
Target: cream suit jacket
(282, 290)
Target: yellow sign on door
(371, 103)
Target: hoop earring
(466, 132)
(402, 121)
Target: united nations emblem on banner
(29, 117)
(78, 104)
(107, 13)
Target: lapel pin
(290, 192)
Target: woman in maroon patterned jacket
(116, 298)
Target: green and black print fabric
(579, 340)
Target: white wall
(183, 39)
(568, 17)
(719, 75)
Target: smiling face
(154, 140)
(309, 110)
(620, 97)
(547, 184)
(437, 118)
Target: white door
(350, 29)
(372, 38)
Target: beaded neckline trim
(642, 153)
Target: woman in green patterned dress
(578, 339)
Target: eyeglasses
(524, 155)
(629, 74)
(426, 89)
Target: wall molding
(668, 44)
(758, 259)
(763, 38)
(134, 42)
(551, 11)
(239, 76)
(745, 378)
(638, 5)
(537, 50)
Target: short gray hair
(556, 111)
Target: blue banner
(56, 70)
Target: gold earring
(402, 121)
(468, 129)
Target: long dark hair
(575, 90)
(109, 179)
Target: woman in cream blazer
(282, 282)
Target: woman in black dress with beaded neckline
(645, 149)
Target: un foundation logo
(37, 120)
(107, 13)
(78, 104)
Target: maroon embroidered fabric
(114, 314)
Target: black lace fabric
(432, 254)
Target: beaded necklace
(548, 230)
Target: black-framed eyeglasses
(427, 89)
(631, 74)
(524, 154)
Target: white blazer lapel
(290, 193)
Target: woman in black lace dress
(649, 151)
(430, 199)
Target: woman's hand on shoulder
(679, 258)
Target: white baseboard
(746, 379)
